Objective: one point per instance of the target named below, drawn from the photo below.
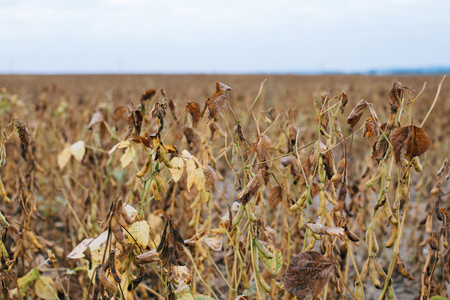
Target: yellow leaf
(177, 170)
(215, 242)
(140, 232)
(128, 156)
(45, 288)
(80, 248)
(64, 157)
(196, 177)
(78, 150)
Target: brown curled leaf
(218, 100)
(356, 113)
(251, 188)
(159, 111)
(395, 96)
(325, 230)
(261, 145)
(408, 142)
(344, 100)
(194, 110)
(210, 178)
(308, 273)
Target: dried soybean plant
(268, 208)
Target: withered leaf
(149, 141)
(134, 121)
(171, 245)
(252, 187)
(356, 113)
(194, 110)
(370, 128)
(275, 196)
(159, 111)
(173, 108)
(96, 119)
(24, 133)
(261, 144)
(344, 100)
(193, 139)
(210, 178)
(395, 95)
(218, 100)
(308, 273)
(148, 95)
(119, 112)
(408, 142)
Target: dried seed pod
(444, 240)
(379, 268)
(375, 247)
(239, 214)
(163, 157)
(373, 274)
(144, 168)
(3, 192)
(389, 214)
(324, 133)
(112, 267)
(393, 236)
(417, 165)
(118, 232)
(264, 285)
(262, 249)
(105, 281)
(429, 224)
(426, 241)
(398, 198)
(155, 191)
(364, 269)
(402, 268)
(161, 183)
(322, 204)
(300, 201)
(390, 293)
(437, 187)
(373, 180)
(405, 189)
(340, 170)
(442, 169)
(329, 198)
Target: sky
(233, 36)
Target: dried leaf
(252, 187)
(356, 113)
(119, 112)
(308, 273)
(64, 157)
(148, 95)
(128, 156)
(325, 230)
(183, 273)
(140, 231)
(192, 138)
(177, 170)
(395, 95)
(78, 252)
(96, 119)
(261, 145)
(78, 150)
(370, 128)
(218, 100)
(210, 178)
(45, 288)
(409, 141)
(194, 110)
(24, 133)
(195, 177)
(147, 257)
(159, 111)
(215, 242)
(344, 100)
(275, 196)
(134, 121)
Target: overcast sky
(176, 36)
